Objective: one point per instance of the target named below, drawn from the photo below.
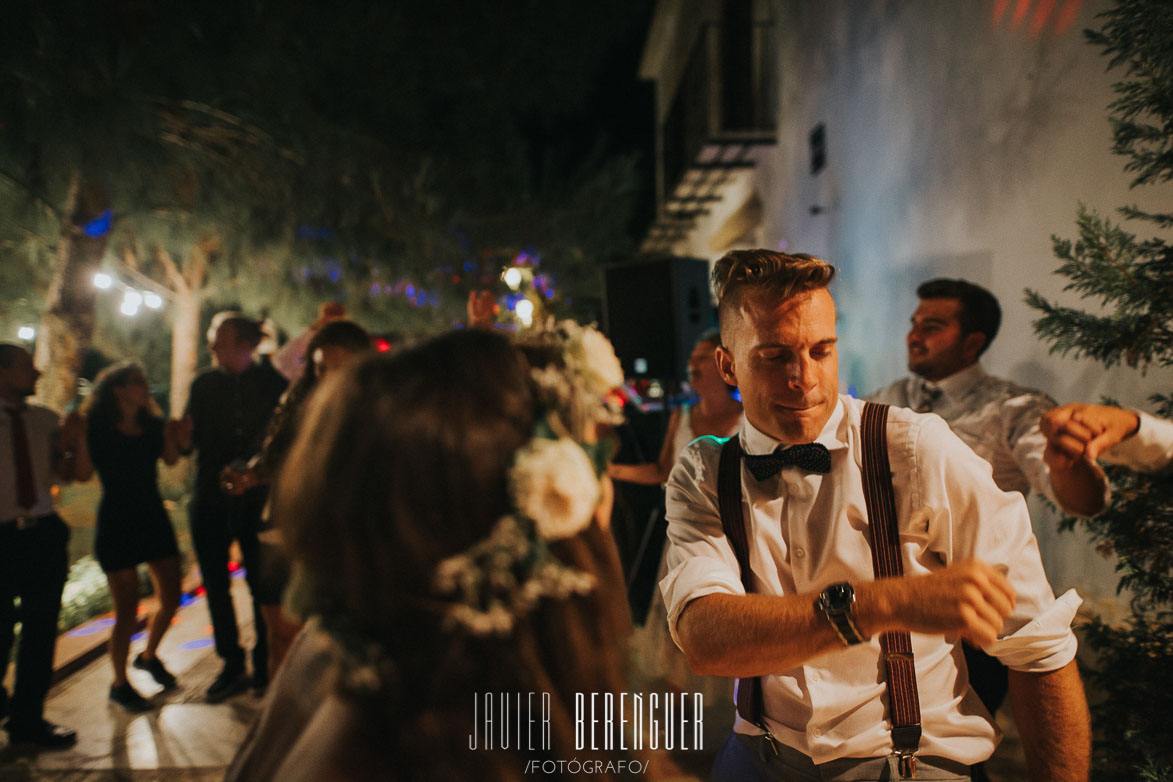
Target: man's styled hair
(780, 274)
(980, 310)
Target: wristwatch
(835, 602)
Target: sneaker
(128, 698)
(230, 681)
(43, 734)
(154, 666)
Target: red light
(1067, 16)
(382, 345)
(233, 566)
(1042, 13)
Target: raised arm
(1078, 486)
(1076, 435)
(651, 473)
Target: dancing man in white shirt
(971, 564)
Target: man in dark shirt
(229, 409)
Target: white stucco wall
(956, 145)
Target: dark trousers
(33, 565)
(215, 522)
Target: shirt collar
(755, 441)
(962, 382)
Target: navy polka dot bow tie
(812, 457)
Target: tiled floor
(184, 739)
(188, 740)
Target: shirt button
(817, 733)
(800, 552)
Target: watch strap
(841, 621)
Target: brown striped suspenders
(896, 646)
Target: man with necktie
(806, 619)
(36, 451)
(953, 325)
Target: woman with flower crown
(446, 517)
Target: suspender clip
(906, 764)
(771, 742)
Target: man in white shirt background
(953, 325)
(36, 451)
(971, 563)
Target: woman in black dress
(127, 437)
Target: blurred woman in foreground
(444, 511)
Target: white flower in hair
(554, 484)
(592, 356)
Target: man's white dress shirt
(998, 419)
(1150, 449)
(41, 425)
(807, 531)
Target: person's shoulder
(996, 387)
(264, 372)
(207, 378)
(896, 393)
(910, 431)
(698, 462)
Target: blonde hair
(780, 274)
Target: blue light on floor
(186, 599)
(199, 643)
(139, 636)
(96, 626)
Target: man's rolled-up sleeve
(700, 559)
(1046, 643)
(974, 518)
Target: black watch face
(838, 597)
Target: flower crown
(554, 485)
